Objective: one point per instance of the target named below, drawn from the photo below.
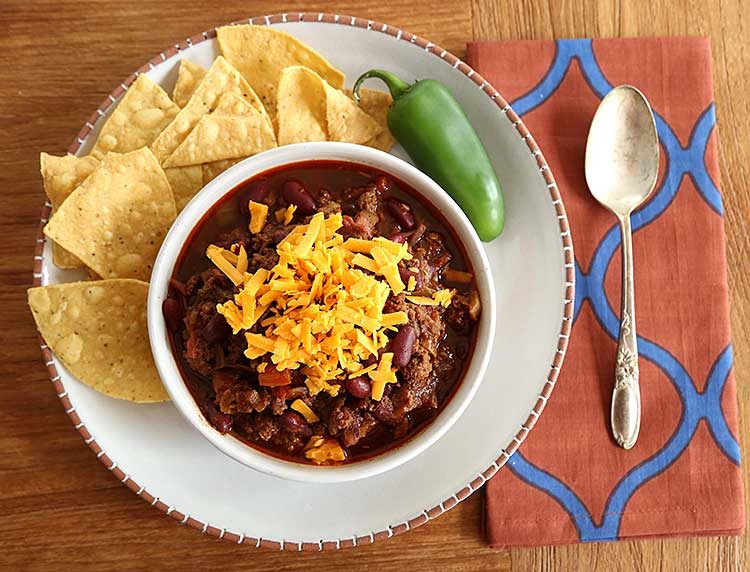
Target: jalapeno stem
(396, 86)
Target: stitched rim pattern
(480, 479)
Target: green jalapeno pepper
(432, 127)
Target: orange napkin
(570, 482)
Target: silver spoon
(622, 164)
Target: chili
(431, 352)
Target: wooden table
(58, 60)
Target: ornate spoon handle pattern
(626, 397)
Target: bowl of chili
(322, 312)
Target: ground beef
(265, 258)
(363, 224)
(202, 291)
(357, 228)
(252, 400)
(458, 314)
(368, 201)
(345, 420)
(384, 411)
(368, 215)
(326, 204)
(263, 427)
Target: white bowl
(224, 183)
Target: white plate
(154, 451)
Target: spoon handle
(626, 397)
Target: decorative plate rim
(562, 344)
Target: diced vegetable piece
(475, 305)
(458, 276)
(274, 378)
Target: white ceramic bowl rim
(284, 157)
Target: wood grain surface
(59, 59)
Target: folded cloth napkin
(570, 482)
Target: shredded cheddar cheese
(321, 307)
(258, 215)
(221, 258)
(444, 297)
(439, 298)
(289, 214)
(363, 371)
(241, 263)
(285, 214)
(301, 407)
(321, 451)
(382, 375)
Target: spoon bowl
(622, 151)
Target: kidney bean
(402, 345)
(401, 213)
(173, 313)
(295, 194)
(293, 422)
(220, 420)
(399, 237)
(258, 191)
(216, 330)
(358, 387)
(178, 286)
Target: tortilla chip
(143, 112)
(61, 175)
(188, 77)
(346, 120)
(116, 219)
(213, 170)
(311, 110)
(261, 53)
(98, 331)
(234, 129)
(221, 78)
(301, 107)
(376, 104)
(185, 183)
(64, 259)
